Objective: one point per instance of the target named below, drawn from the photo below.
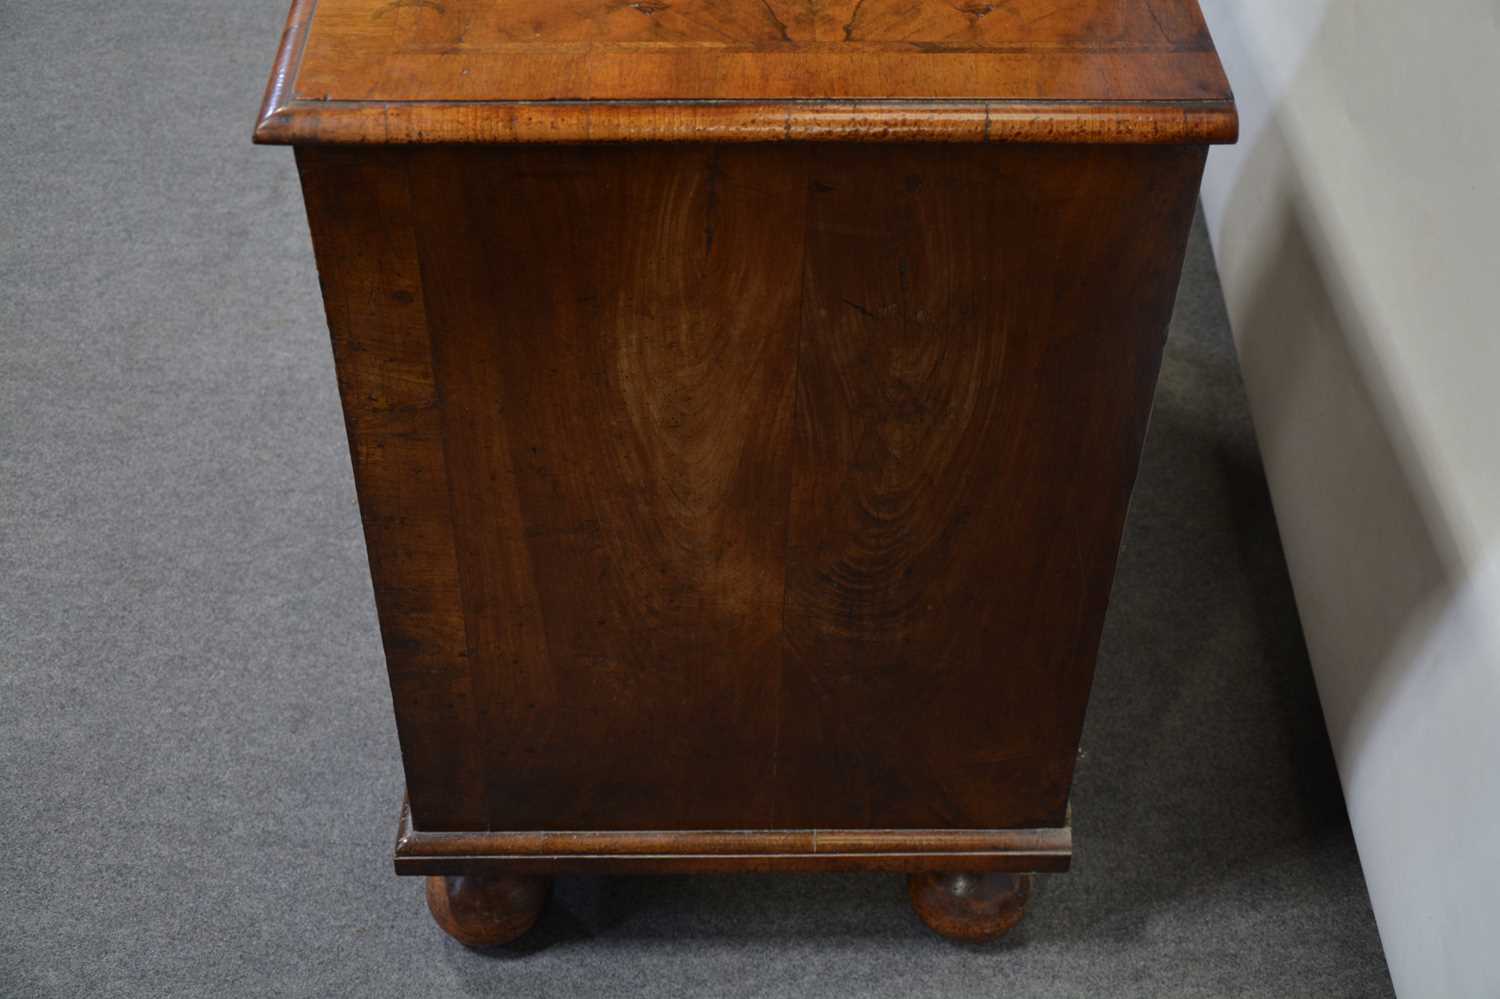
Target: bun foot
(486, 910)
(971, 907)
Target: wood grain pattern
(745, 487)
(362, 221)
(618, 445)
(744, 399)
(982, 330)
(491, 71)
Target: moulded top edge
(502, 71)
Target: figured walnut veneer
(785, 493)
(744, 399)
(497, 71)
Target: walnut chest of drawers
(744, 399)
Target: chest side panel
(746, 486)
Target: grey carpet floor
(198, 767)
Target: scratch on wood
(1151, 9)
(853, 17)
(778, 22)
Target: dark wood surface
(378, 71)
(745, 487)
(486, 910)
(699, 851)
(969, 907)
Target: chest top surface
(394, 71)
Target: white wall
(1357, 230)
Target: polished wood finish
(504, 71)
(744, 399)
(970, 906)
(732, 851)
(486, 910)
(789, 489)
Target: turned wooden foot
(970, 906)
(486, 910)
